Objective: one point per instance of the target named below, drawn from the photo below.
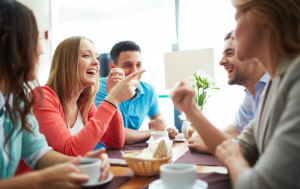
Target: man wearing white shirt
(253, 77)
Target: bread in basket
(145, 167)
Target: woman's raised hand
(115, 75)
(125, 88)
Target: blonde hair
(64, 77)
(283, 19)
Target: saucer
(158, 184)
(108, 179)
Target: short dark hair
(228, 35)
(123, 46)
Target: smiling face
(238, 72)
(88, 64)
(130, 62)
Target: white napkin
(152, 144)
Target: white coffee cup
(178, 175)
(159, 134)
(91, 167)
(184, 128)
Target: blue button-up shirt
(133, 111)
(248, 108)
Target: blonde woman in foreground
(266, 154)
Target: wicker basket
(145, 167)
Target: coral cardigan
(104, 124)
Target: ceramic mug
(178, 175)
(159, 134)
(184, 128)
(91, 167)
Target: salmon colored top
(104, 124)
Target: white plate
(158, 184)
(108, 179)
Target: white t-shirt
(77, 126)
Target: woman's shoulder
(45, 95)
(292, 72)
(46, 91)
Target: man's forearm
(231, 131)
(52, 158)
(134, 136)
(211, 136)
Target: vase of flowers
(202, 83)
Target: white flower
(210, 80)
(198, 73)
(201, 84)
(182, 116)
(205, 76)
(192, 80)
(212, 84)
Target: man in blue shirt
(253, 77)
(126, 59)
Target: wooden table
(142, 182)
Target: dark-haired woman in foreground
(267, 153)
(19, 131)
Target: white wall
(41, 10)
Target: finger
(104, 167)
(168, 129)
(191, 141)
(75, 160)
(78, 178)
(103, 175)
(105, 161)
(117, 80)
(171, 131)
(193, 145)
(134, 75)
(179, 94)
(174, 88)
(114, 77)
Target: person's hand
(173, 131)
(196, 143)
(229, 151)
(105, 162)
(158, 124)
(195, 135)
(64, 175)
(125, 88)
(115, 75)
(183, 96)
